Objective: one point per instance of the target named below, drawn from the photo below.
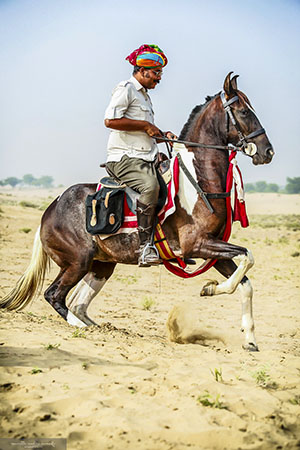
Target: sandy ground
(124, 385)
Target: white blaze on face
(187, 193)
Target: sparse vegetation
(35, 370)
(128, 279)
(27, 204)
(148, 303)
(283, 240)
(52, 346)
(295, 254)
(288, 221)
(207, 400)
(217, 374)
(263, 379)
(268, 241)
(295, 400)
(84, 365)
(25, 230)
(78, 333)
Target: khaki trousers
(140, 175)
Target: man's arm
(125, 124)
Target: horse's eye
(245, 112)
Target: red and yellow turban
(148, 56)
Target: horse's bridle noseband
(248, 147)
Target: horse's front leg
(215, 249)
(227, 268)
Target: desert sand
(124, 384)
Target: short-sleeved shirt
(131, 100)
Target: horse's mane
(196, 112)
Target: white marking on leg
(230, 285)
(187, 193)
(85, 291)
(73, 320)
(247, 315)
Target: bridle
(248, 148)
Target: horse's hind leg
(86, 290)
(56, 293)
(227, 268)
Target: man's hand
(171, 135)
(152, 130)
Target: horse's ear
(234, 82)
(227, 87)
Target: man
(131, 147)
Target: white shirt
(131, 100)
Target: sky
(60, 60)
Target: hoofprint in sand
(125, 385)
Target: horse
(86, 263)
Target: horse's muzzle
(264, 158)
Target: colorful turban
(148, 56)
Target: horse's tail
(32, 279)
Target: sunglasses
(157, 73)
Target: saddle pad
(130, 220)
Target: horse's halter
(248, 147)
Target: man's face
(150, 77)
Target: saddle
(105, 208)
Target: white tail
(31, 281)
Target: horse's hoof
(89, 322)
(209, 289)
(250, 347)
(81, 314)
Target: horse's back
(66, 214)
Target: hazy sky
(60, 60)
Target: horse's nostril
(270, 152)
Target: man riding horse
(131, 148)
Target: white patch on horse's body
(187, 193)
(83, 294)
(247, 315)
(230, 285)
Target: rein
(197, 144)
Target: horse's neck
(210, 165)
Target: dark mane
(195, 114)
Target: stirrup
(142, 262)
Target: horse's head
(243, 127)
